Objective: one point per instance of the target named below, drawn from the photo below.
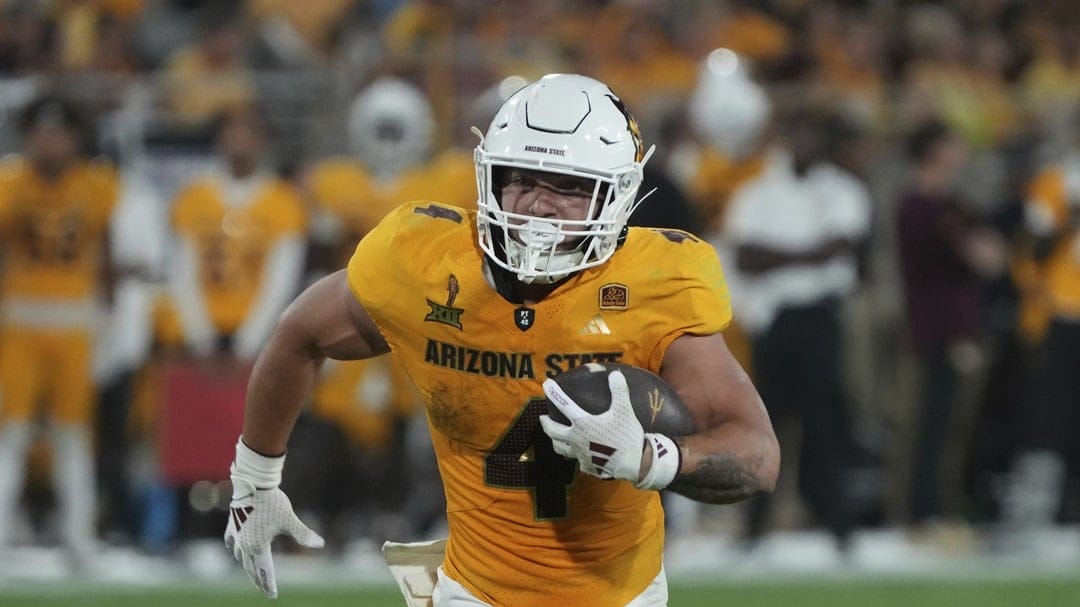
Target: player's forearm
(747, 464)
(280, 383)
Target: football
(657, 405)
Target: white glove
(259, 512)
(610, 445)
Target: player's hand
(259, 512)
(607, 445)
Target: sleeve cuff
(260, 470)
(667, 459)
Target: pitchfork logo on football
(656, 404)
(447, 314)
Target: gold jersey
(54, 232)
(1060, 273)
(526, 528)
(233, 242)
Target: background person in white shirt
(795, 231)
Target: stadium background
(153, 77)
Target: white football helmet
(727, 109)
(391, 126)
(567, 124)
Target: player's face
(548, 196)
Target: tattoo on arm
(719, 478)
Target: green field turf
(833, 593)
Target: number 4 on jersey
(524, 459)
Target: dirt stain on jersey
(452, 415)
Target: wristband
(666, 461)
(261, 471)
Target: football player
(391, 128)
(241, 244)
(55, 208)
(1051, 323)
(239, 230)
(480, 307)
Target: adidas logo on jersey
(596, 326)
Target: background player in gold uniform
(481, 307)
(393, 160)
(241, 234)
(1050, 283)
(240, 230)
(54, 217)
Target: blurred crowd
(893, 188)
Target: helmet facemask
(562, 125)
(548, 249)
